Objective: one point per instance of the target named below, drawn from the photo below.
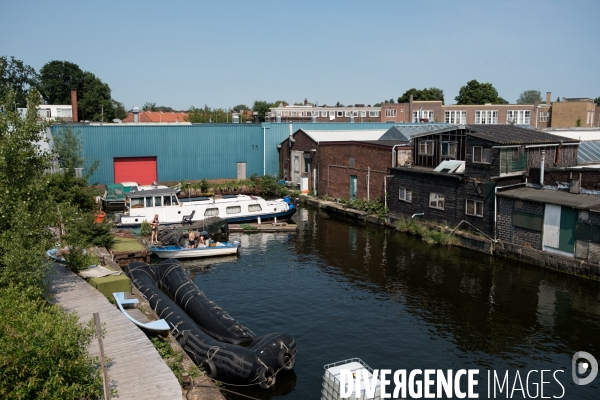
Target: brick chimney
(548, 98)
(74, 104)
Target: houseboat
(144, 205)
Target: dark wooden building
(458, 170)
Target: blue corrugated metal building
(193, 152)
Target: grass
(126, 244)
(429, 235)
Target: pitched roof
(342, 136)
(407, 131)
(507, 134)
(589, 152)
(158, 116)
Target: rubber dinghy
(227, 350)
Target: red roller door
(138, 169)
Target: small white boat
(158, 326)
(212, 250)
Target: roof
(151, 192)
(576, 133)
(507, 134)
(589, 152)
(579, 201)
(407, 131)
(451, 166)
(343, 136)
(158, 116)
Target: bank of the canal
(480, 243)
(346, 288)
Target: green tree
(478, 93)
(21, 78)
(261, 107)
(597, 101)
(96, 103)
(57, 78)
(278, 102)
(149, 106)
(120, 111)
(430, 94)
(25, 207)
(207, 115)
(241, 107)
(530, 97)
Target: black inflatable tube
(231, 363)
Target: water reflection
(344, 289)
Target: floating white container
(331, 380)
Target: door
(296, 166)
(135, 169)
(241, 171)
(353, 187)
(559, 228)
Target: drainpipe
(265, 150)
(368, 179)
(385, 189)
(543, 152)
(394, 156)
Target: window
(211, 212)
(423, 116)
(293, 113)
(544, 117)
(157, 201)
(390, 112)
(254, 207)
(436, 200)
(475, 207)
(363, 114)
(286, 113)
(456, 117)
(426, 147)
(340, 113)
(138, 202)
(482, 155)
(148, 201)
(167, 200)
(448, 149)
(233, 210)
(405, 194)
(323, 113)
(519, 117)
(373, 113)
(486, 117)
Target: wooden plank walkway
(135, 368)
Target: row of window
(436, 200)
(156, 201)
(448, 149)
(352, 113)
(214, 212)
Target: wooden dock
(135, 368)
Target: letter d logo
(582, 368)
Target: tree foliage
(530, 97)
(57, 78)
(430, 94)
(25, 208)
(120, 111)
(597, 101)
(16, 75)
(478, 93)
(207, 115)
(262, 108)
(149, 106)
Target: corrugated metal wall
(193, 152)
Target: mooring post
(102, 365)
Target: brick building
(538, 115)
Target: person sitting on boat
(191, 240)
(154, 226)
(201, 240)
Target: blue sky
(227, 52)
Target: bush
(43, 351)
(432, 236)
(145, 229)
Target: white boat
(143, 205)
(359, 373)
(212, 250)
(158, 326)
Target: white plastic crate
(331, 380)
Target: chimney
(136, 111)
(548, 98)
(74, 104)
(305, 101)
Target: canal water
(345, 289)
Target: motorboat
(113, 198)
(144, 205)
(211, 250)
